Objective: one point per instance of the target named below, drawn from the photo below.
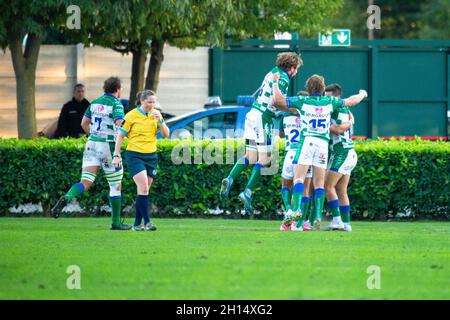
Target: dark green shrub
(391, 177)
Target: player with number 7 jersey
(101, 120)
(103, 112)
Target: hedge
(392, 177)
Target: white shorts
(98, 154)
(313, 152)
(258, 130)
(309, 173)
(288, 166)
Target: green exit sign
(335, 38)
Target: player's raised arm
(355, 99)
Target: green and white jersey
(263, 101)
(103, 112)
(344, 140)
(315, 113)
(291, 125)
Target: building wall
(183, 82)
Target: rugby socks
(286, 195)
(297, 194)
(115, 203)
(149, 203)
(138, 218)
(334, 208)
(75, 191)
(305, 206)
(255, 176)
(312, 207)
(142, 208)
(319, 200)
(345, 213)
(239, 166)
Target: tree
(436, 20)
(186, 24)
(142, 26)
(399, 19)
(23, 26)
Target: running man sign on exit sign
(335, 38)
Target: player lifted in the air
(315, 112)
(101, 120)
(259, 127)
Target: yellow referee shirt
(141, 129)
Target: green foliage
(436, 19)
(411, 177)
(426, 19)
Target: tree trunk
(137, 72)
(24, 64)
(154, 67)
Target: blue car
(209, 123)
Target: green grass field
(222, 259)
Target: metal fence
(407, 80)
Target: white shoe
(288, 214)
(336, 224)
(294, 227)
(347, 227)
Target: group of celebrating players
(319, 151)
(310, 172)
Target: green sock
(116, 206)
(255, 177)
(334, 208)
(345, 213)
(239, 166)
(297, 194)
(305, 206)
(76, 190)
(312, 208)
(319, 200)
(286, 195)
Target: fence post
(373, 90)
(215, 71)
(448, 96)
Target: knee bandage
(88, 176)
(114, 179)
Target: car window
(213, 126)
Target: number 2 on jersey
(294, 138)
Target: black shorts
(137, 162)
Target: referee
(140, 126)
